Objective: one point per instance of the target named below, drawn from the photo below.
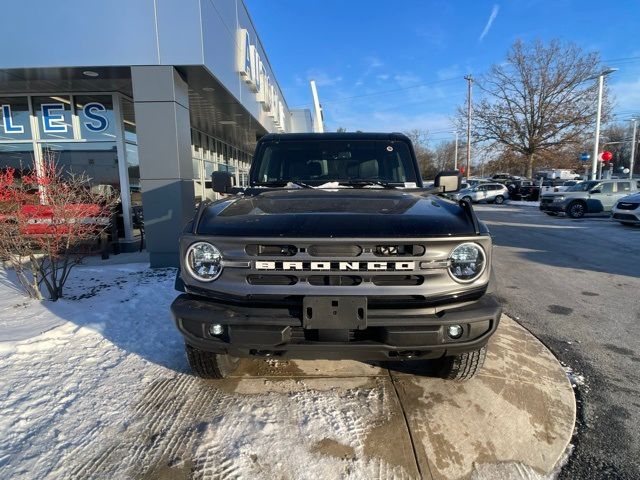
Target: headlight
(559, 198)
(467, 262)
(203, 261)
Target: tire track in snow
(184, 422)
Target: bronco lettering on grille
(337, 266)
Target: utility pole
(469, 80)
(633, 147)
(455, 155)
(316, 106)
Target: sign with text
(254, 73)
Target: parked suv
(627, 210)
(594, 196)
(485, 192)
(336, 250)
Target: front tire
(210, 365)
(499, 200)
(468, 199)
(464, 366)
(576, 209)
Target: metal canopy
(213, 110)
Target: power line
(383, 92)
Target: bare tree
(540, 99)
(616, 138)
(443, 155)
(49, 223)
(426, 161)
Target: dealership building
(147, 96)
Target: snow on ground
(523, 203)
(96, 386)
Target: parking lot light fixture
(634, 121)
(594, 161)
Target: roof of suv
(274, 137)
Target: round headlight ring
(458, 265)
(203, 261)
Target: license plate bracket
(336, 313)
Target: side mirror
(221, 182)
(596, 190)
(448, 181)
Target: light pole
(596, 147)
(319, 125)
(633, 146)
(455, 155)
(469, 80)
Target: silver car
(485, 192)
(593, 196)
(627, 210)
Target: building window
(14, 119)
(54, 117)
(97, 160)
(18, 156)
(96, 118)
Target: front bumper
(391, 333)
(553, 206)
(627, 216)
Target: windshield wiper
(282, 183)
(366, 183)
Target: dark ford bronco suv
(336, 250)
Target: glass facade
(90, 133)
(211, 155)
(80, 133)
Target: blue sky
(355, 48)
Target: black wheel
(576, 209)
(468, 199)
(210, 365)
(463, 366)
(552, 214)
(499, 200)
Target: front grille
(337, 250)
(397, 280)
(625, 216)
(272, 279)
(334, 280)
(274, 271)
(271, 250)
(546, 201)
(627, 205)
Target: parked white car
(485, 192)
(627, 210)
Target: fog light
(216, 329)
(454, 331)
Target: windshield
(582, 187)
(319, 162)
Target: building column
(161, 103)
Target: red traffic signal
(606, 156)
(461, 169)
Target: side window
(624, 187)
(607, 187)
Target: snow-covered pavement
(97, 386)
(106, 394)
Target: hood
(360, 213)
(564, 194)
(633, 198)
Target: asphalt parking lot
(575, 284)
